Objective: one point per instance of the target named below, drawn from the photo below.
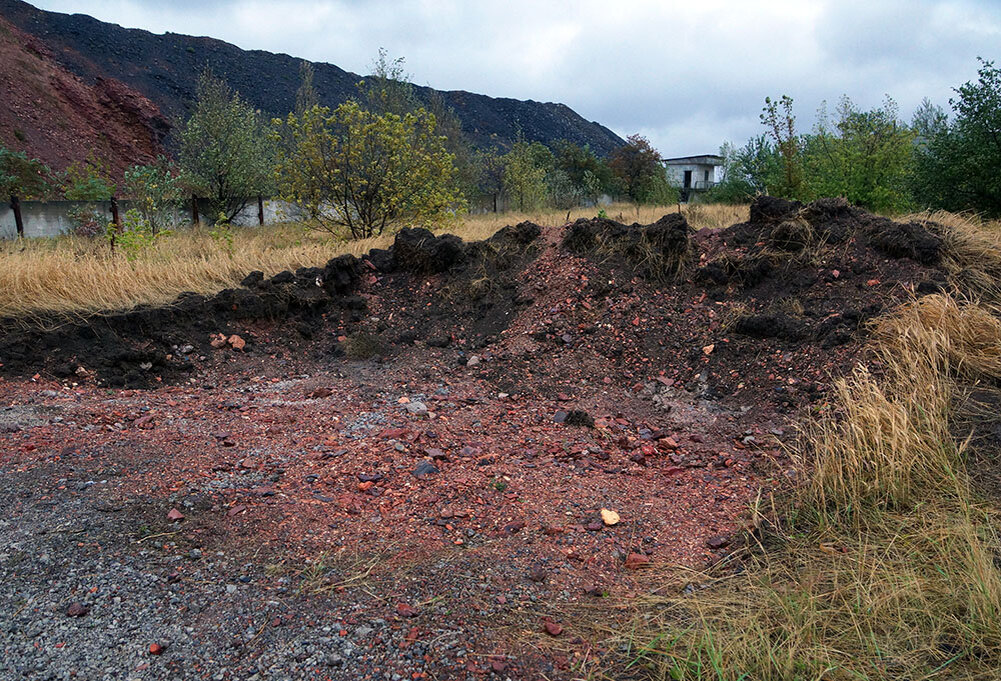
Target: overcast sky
(686, 75)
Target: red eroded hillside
(54, 116)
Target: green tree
(589, 175)
(960, 168)
(747, 171)
(864, 156)
(156, 194)
(226, 153)
(526, 166)
(778, 119)
(929, 120)
(489, 172)
(633, 164)
(367, 173)
(88, 180)
(563, 192)
(449, 128)
(22, 178)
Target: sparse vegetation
(363, 346)
(880, 562)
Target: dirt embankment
(412, 462)
(794, 274)
(53, 115)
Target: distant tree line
(385, 159)
(876, 160)
(378, 161)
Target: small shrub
(363, 346)
(222, 234)
(136, 236)
(88, 221)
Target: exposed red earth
(537, 426)
(55, 116)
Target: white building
(692, 174)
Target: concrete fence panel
(52, 218)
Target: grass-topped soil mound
(427, 461)
(148, 345)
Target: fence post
(15, 205)
(194, 210)
(114, 214)
(260, 209)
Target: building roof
(704, 159)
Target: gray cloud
(687, 75)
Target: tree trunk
(15, 205)
(114, 214)
(194, 210)
(495, 203)
(260, 209)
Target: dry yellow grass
(882, 563)
(73, 276)
(972, 252)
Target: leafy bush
(135, 236)
(222, 234)
(367, 173)
(156, 192)
(88, 221)
(88, 181)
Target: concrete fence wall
(52, 218)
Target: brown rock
(77, 609)
(552, 628)
(406, 610)
(718, 542)
(537, 574)
(635, 561)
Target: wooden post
(194, 210)
(15, 205)
(114, 214)
(260, 209)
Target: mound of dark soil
(795, 275)
(421, 252)
(438, 290)
(137, 346)
(659, 250)
(144, 346)
(905, 240)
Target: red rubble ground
(451, 495)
